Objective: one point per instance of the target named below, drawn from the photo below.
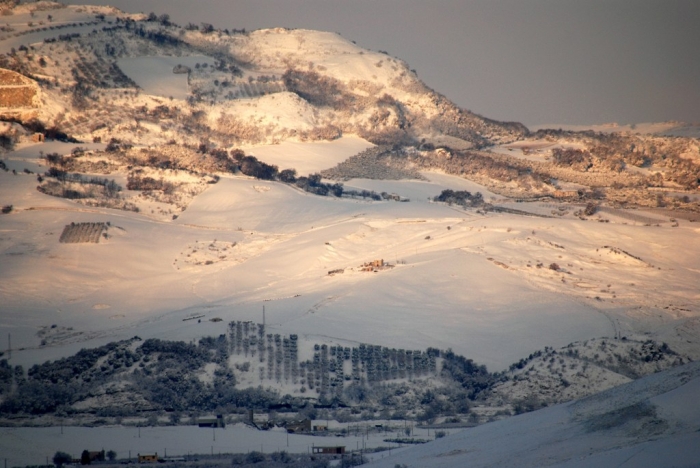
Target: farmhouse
(148, 458)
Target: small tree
(61, 458)
(111, 455)
(591, 209)
(85, 458)
(288, 176)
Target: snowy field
(308, 158)
(155, 74)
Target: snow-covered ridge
(83, 58)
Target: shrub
(255, 457)
(62, 458)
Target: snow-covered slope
(651, 422)
(463, 280)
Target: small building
(148, 458)
(320, 428)
(212, 421)
(303, 425)
(374, 265)
(337, 450)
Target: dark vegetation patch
(164, 376)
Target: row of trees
(251, 166)
(86, 458)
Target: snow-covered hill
(101, 66)
(651, 422)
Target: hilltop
(127, 75)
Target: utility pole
(9, 346)
(263, 316)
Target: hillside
(95, 74)
(197, 220)
(650, 422)
(239, 87)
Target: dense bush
(250, 166)
(460, 197)
(473, 377)
(313, 184)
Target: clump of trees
(460, 197)
(317, 89)
(473, 377)
(580, 160)
(251, 166)
(313, 184)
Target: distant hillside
(237, 86)
(247, 367)
(95, 74)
